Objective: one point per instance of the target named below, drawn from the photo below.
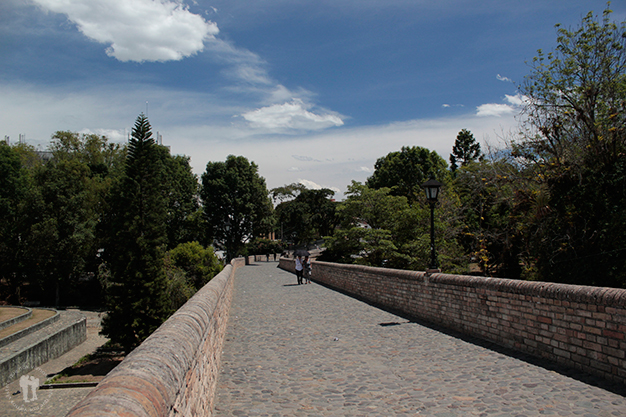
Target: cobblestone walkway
(305, 350)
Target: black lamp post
(227, 226)
(432, 187)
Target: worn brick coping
(159, 375)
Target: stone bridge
(372, 341)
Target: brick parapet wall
(579, 326)
(174, 371)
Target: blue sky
(311, 91)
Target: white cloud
(494, 110)
(199, 125)
(293, 115)
(516, 100)
(138, 30)
(506, 79)
(314, 186)
(498, 110)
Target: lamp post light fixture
(432, 187)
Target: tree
(55, 223)
(575, 139)
(237, 207)
(310, 216)
(286, 192)
(199, 263)
(65, 231)
(465, 150)
(184, 222)
(404, 172)
(137, 299)
(72, 186)
(15, 187)
(380, 229)
(493, 206)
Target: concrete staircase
(48, 339)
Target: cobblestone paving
(305, 350)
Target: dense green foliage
(308, 217)
(189, 266)
(575, 147)
(380, 229)
(236, 202)
(56, 200)
(262, 246)
(405, 171)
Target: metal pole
(433, 254)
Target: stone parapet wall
(174, 371)
(578, 326)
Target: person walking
(299, 268)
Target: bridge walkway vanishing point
(306, 350)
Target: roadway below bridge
(306, 350)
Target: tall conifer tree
(137, 296)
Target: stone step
(30, 329)
(42, 345)
(14, 320)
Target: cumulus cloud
(498, 110)
(138, 30)
(293, 115)
(494, 110)
(516, 100)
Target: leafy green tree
(575, 140)
(198, 263)
(137, 298)
(58, 213)
(65, 231)
(184, 219)
(261, 246)
(15, 187)
(405, 171)
(493, 206)
(465, 150)
(237, 207)
(310, 216)
(286, 192)
(380, 229)
(72, 184)
(188, 267)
